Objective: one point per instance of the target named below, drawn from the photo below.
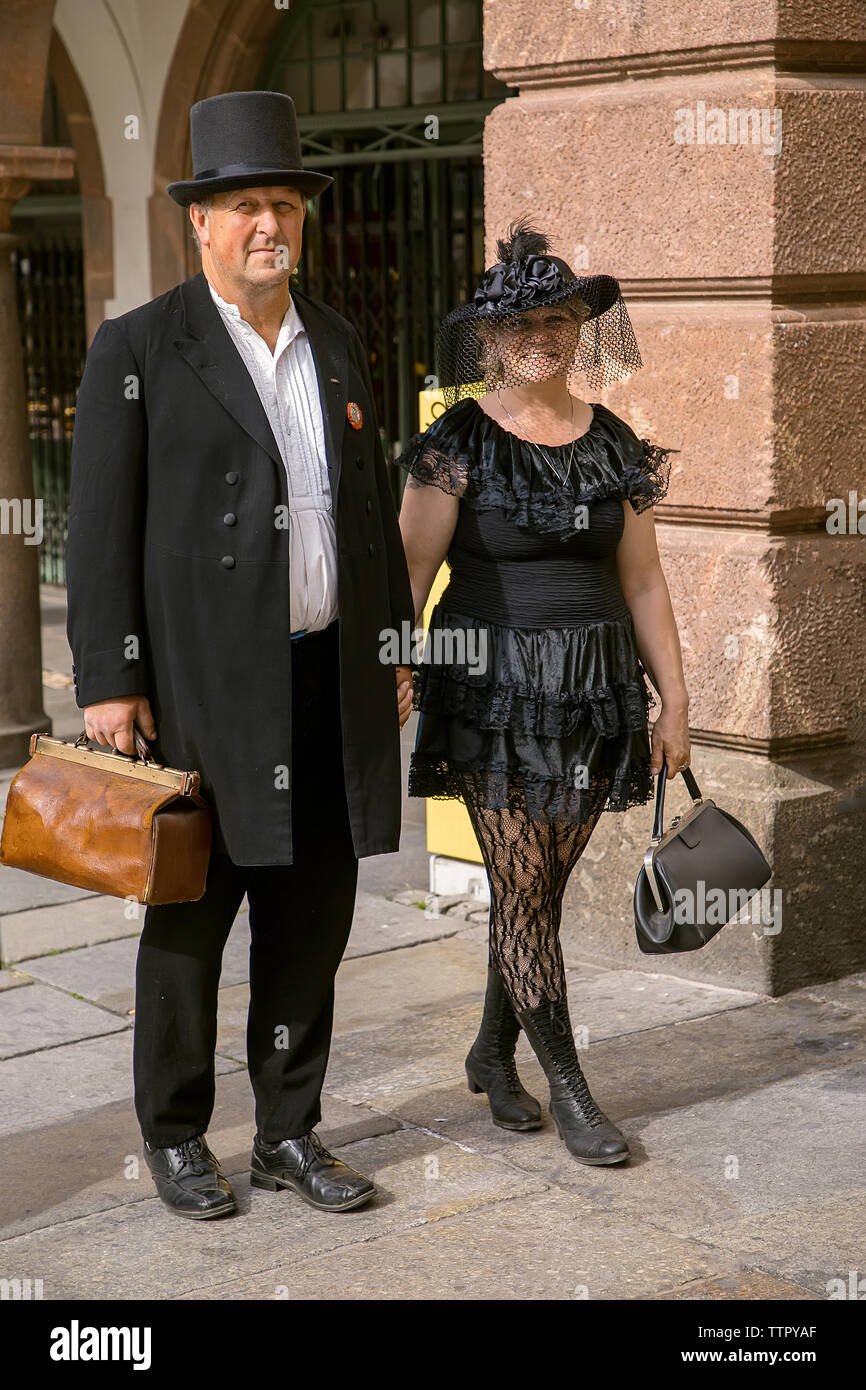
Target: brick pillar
(711, 157)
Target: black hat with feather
(483, 343)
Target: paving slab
(714, 1163)
(20, 891)
(92, 1160)
(771, 1149)
(818, 1245)
(533, 1247)
(41, 1017)
(842, 995)
(603, 1003)
(82, 922)
(738, 1050)
(415, 1043)
(140, 1250)
(606, 1003)
(56, 1082)
(370, 991)
(105, 973)
(236, 955)
(232, 1007)
(746, 1284)
(650, 1187)
(470, 931)
(13, 979)
(381, 925)
(410, 1053)
(399, 988)
(389, 874)
(631, 1076)
(89, 920)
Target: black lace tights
(528, 864)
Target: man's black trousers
(300, 917)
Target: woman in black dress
(533, 704)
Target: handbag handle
(141, 747)
(691, 786)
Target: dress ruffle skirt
(559, 715)
(542, 720)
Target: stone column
(711, 157)
(21, 712)
(25, 32)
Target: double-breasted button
(229, 519)
(359, 459)
(228, 562)
(232, 478)
(369, 505)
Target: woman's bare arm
(646, 593)
(428, 517)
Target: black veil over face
(532, 318)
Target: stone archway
(220, 49)
(96, 221)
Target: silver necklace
(540, 447)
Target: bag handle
(141, 747)
(691, 786)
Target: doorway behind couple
(391, 98)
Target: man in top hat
(233, 557)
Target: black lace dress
(530, 684)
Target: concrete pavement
(744, 1114)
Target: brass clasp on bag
(139, 765)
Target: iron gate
(391, 97)
(49, 277)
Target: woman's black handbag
(707, 865)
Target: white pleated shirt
(288, 389)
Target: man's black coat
(178, 564)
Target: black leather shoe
(305, 1165)
(587, 1133)
(189, 1179)
(490, 1063)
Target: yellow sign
(449, 829)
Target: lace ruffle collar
(466, 453)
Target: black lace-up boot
(490, 1063)
(587, 1133)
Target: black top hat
(243, 140)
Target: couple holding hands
(251, 649)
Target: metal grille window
(48, 265)
(370, 54)
(391, 97)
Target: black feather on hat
(521, 240)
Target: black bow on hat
(538, 280)
(245, 140)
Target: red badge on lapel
(355, 414)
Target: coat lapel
(208, 348)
